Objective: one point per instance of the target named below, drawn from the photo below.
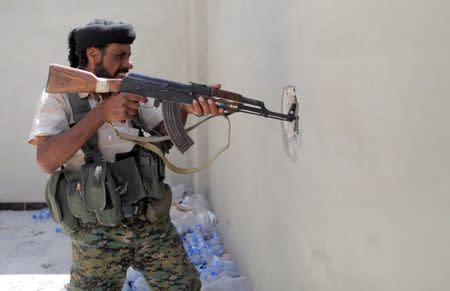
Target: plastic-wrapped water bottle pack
(205, 250)
(197, 226)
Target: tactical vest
(103, 192)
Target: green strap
(147, 142)
(81, 106)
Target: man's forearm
(56, 150)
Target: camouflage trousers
(101, 256)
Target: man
(114, 219)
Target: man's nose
(128, 64)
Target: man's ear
(94, 55)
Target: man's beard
(101, 72)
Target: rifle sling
(147, 142)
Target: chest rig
(106, 192)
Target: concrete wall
(366, 205)
(34, 34)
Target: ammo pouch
(55, 195)
(87, 196)
(106, 192)
(158, 210)
(100, 193)
(152, 169)
(159, 194)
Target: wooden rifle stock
(63, 79)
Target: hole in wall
(291, 132)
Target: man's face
(114, 61)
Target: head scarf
(98, 33)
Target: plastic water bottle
(41, 214)
(206, 253)
(194, 256)
(216, 250)
(135, 281)
(216, 265)
(208, 230)
(230, 268)
(58, 229)
(204, 276)
(207, 276)
(214, 236)
(37, 214)
(194, 238)
(140, 284)
(213, 276)
(214, 243)
(46, 212)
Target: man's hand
(203, 106)
(121, 107)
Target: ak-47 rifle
(170, 94)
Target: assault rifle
(170, 94)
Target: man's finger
(136, 98)
(133, 104)
(204, 105)
(197, 108)
(212, 107)
(129, 114)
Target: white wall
(366, 205)
(34, 34)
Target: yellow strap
(154, 139)
(146, 142)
